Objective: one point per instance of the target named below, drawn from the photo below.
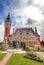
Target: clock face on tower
(7, 25)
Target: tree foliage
(42, 43)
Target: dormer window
(30, 32)
(24, 32)
(18, 32)
(27, 32)
(21, 33)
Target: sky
(23, 13)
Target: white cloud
(30, 11)
(1, 32)
(11, 31)
(40, 2)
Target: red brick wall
(7, 32)
(38, 41)
(6, 35)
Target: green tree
(42, 43)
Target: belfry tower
(7, 29)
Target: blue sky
(23, 13)
(3, 15)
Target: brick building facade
(27, 35)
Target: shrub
(4, 46)
(29, 48)
(32, 55)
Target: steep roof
(8, 19)
(26, 30)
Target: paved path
(18, 51)
(5, 59)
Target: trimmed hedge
(33, 57)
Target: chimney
(13, 30)
(35, 30)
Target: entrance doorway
(23, 45)
(15, 44)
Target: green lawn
(18, 59)
(2, 55)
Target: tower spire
(8, 14)
(8, 18)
